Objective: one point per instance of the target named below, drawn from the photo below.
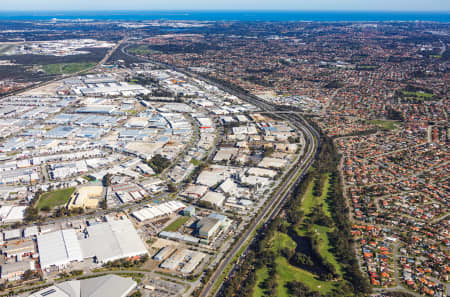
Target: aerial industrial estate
(198, 158)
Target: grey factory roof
(107, 285)
(58, 248)
(105, 109)
(115, 239)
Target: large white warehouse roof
(115, 239)
(59, 248)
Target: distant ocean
(325, 16)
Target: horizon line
(224, 10)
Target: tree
(45, 208)
(159, 163)
(171, 188)
(106, 180)
(31, 214)
(136, 294)
(102, 204)
(268, 151)
(28, 274)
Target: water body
(324, 16)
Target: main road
(290, 179)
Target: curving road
(290, 179)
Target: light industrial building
(112, 240)
(164, 253)
(107, 285)
(14, 271)
(58, 248)
(151, 212)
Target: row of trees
(341, 238)
(260, 254)
(125, 263)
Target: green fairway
(55, 198)
(323, 197)
(261, 276)
(320, 231)
(287, 273)
(309, 200)
(385, 124)
(176, 224)
(66, 68)
(417, 96)
(281, 241)
(325, 248)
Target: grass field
(309, 200)
(308, 204)
(55, 198)
(141, 50)
(195, 162)
(385, 124)
(281, 241)
(176, 224)
(418, 95)
(325, 248)
(287, 273)
(66, 68)
(261, 276)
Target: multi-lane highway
(269, 212)
(271, 209)
(289, 180)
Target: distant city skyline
(326, 5)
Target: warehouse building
(177, 236)
(214, 198)
(10, 214)
(12, 234)
(151, 212)
(164, 253)
(14, 271)
(193, 259)
(58, 248)
(30, 232)
(107, 285)
(112, 240)
(207, 227)
(19, 249)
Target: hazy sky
(378, 5)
